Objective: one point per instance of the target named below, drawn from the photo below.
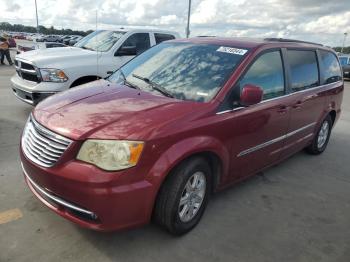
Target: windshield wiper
(126, 82)
(155, 86)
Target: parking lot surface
(296, 211)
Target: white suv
(41, 73)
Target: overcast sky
(313, 20)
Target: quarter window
(331, 68)
(303, 69)
(162, 37)
(140, 40)
(267, 73)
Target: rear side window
(330, 66)
(343, 60)
(140, 40)
(162, 37)
(267, 73)
(303, 69)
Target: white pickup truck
(41, 73)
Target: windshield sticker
(231, 50)
(202, 94)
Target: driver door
(256, 133)
(139, 42)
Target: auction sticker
(232, 50)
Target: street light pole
(188, 19)
(37, 21)
(345, 35)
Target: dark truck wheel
(184, 196)
(321, 139)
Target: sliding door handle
(282, 109)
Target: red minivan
(182, 120)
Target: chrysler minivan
(184, 119)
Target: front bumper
(90, 197)
(32, 92)
(32, 98)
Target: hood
(104, 110)
(50, 57)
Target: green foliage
(346, 49)
(42, 29)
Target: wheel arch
(333, 115)
(207, 147)
(84, 79)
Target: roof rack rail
(290, 41)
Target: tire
(321, 139)
(178, 186)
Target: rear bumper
(90, 197)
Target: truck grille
(27, 71)
(41, 145)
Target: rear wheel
(320, 141)
(184, 196)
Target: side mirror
(251, 95)
(126, 50)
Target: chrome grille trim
(25, 69)
(41, 145)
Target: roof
(245, 42)
(140, 29)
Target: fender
(180, 151)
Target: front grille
(41, 145)
(27, 71)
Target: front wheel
(321, 139)
(184, 196)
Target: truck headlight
(110, 155)
(53, 75)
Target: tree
(346, 49)
(42, 29)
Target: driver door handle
(298, 104)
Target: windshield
(187, 71)
(343, 60)
(100, 41)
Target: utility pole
(345, 35)
(37, 21)
(188, 19)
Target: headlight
(53, 75)
(111, 155)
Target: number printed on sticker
(232, 50)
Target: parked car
(20, 36)
(51, 38)
(21, 49)
(345, 63)
(95, 56)
(67, 40)
(39, 38)
(63, 38)
(74, 40)
(183, 119)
